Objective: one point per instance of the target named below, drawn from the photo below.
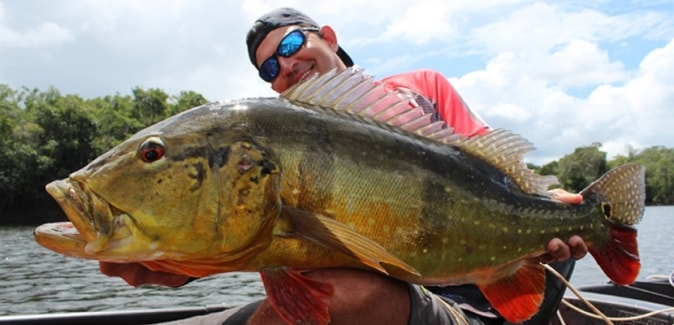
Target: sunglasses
(289, 45)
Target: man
(288, 47)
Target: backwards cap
(279, 18)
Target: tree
(114, 117)
(631, 157)
(583, 166)
(659, 162)
(150, 106)
(186, 100)
(10, 115)
(22, 167)
(67, 133)
(551, 168)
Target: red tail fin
(619, 257)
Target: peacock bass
(337, 173)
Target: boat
(123, 317)
(641, 298)
(644, 302)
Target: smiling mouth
(308, 74)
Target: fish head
(177, 192)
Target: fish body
(325, 178)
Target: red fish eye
(151, 151)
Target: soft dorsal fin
(353, 94)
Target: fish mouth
(95, 225)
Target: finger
(563, 196)
(558, 249)
(578, 247)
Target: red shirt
(446, 101)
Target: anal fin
(518, 296)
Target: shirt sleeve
(429, 309)
(448, 104)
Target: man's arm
(444, 99)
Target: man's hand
(360, 297)
(557, 249)
(135, 274)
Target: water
(36, 280)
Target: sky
(563, 74)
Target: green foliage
(186, 100)
(659, 162)
(577, 170)
(114, 117)
(149, 106)
(551, 168)
(68, 130)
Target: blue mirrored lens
(269, 69)
(291, 43)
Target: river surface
(36, 280)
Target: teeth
(305, 76)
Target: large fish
(337, 173)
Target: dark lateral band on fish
(338, 173)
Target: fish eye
(152, 150)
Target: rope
(459, 317)
(596, 314)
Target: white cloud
(44, 34)
(580, 63)
(47, 34)
(637, 113)
(417, 21)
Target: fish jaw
(61, 237)
(96, 229)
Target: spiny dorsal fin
(505, 150)
(353, 94)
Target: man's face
(317, 56)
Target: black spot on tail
(606, 209)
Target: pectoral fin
(331, 233)
(296, 298)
